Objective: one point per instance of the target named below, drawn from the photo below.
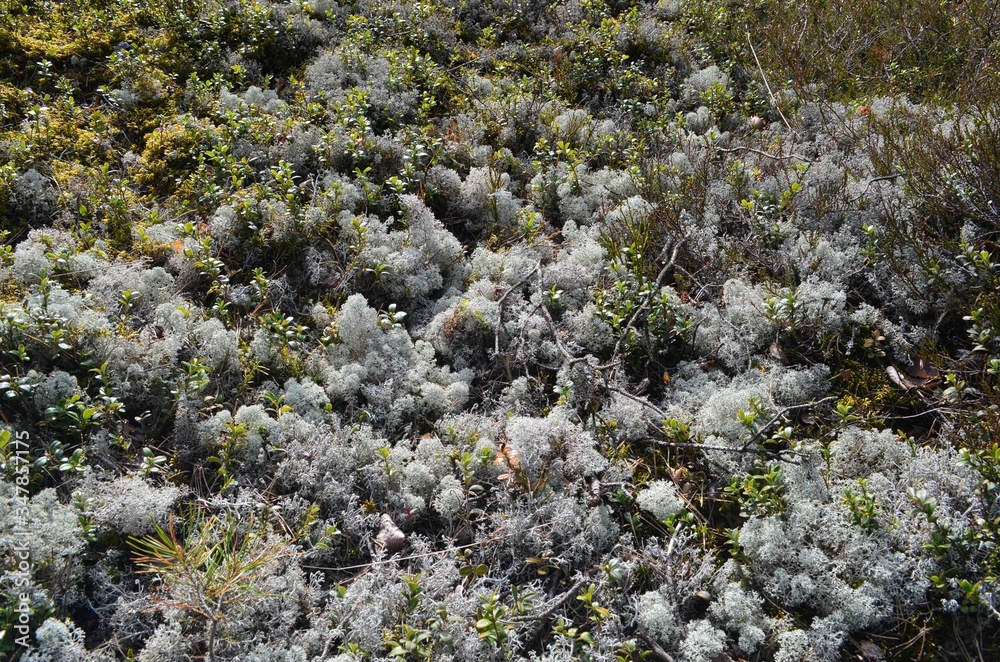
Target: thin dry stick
(786, 455)
(658, 652)
(641, 401)
(495, 536)
(774, 101)
(873, 180)
(780, 157)
(548, 611)
(777, 417)
(397, 559)
(572, 360)
(708, 447)
(516, 286)
(543, 616)
(649, 297)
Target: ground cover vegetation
(499, 329)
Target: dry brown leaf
(922, 370)
(778, 354)
(899, 379)
(390, 537)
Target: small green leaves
(759, 493)
(474, 570)
(74, 463)
(151, 463)
(843, 412)
(861, 506)
(924, 504)
(391, 319)
(489, 620)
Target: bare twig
(781, 414)
(779, 157)
(774, 101)
(714, 447)
(871, 181)
(518, 284)
(494, 537)
(660, 654)
(513, 288)
(556, 604)
(555, 335)
(649, 297)
(670, 576)
(397, 559)
(542, 617)
(645, 403)
(926, 412)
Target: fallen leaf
(390, 537)
(778, 354)
(870, 651)
(922, 370)
(899, 379)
